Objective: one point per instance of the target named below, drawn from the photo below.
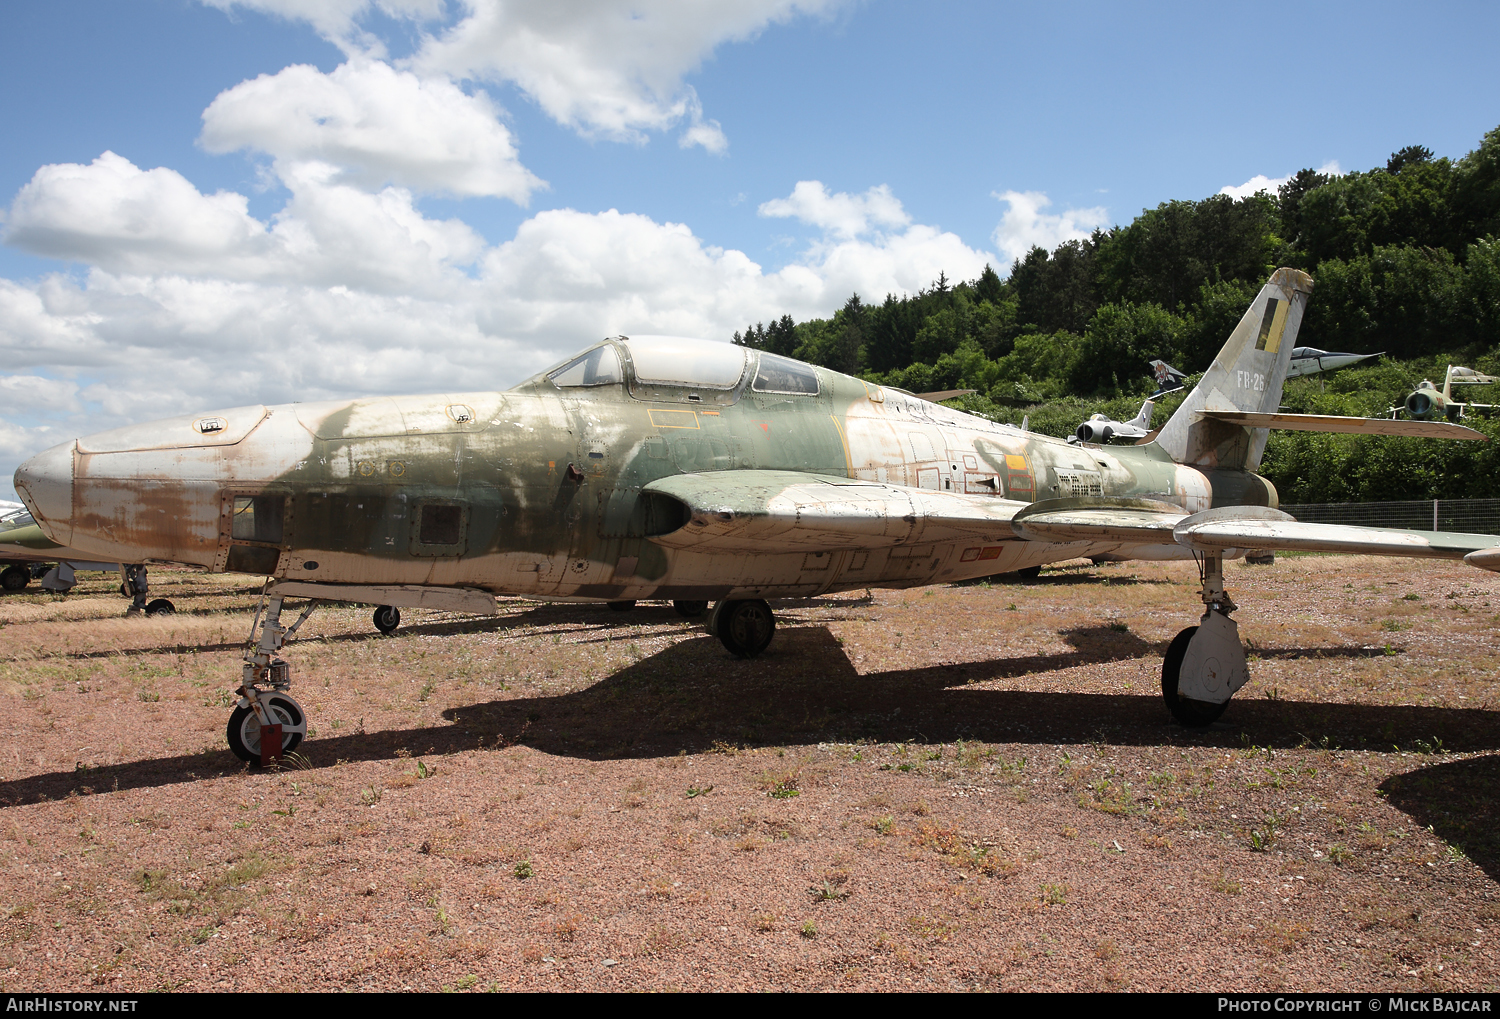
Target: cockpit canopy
(678, 367)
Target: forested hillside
(1404, 257)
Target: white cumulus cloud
(1260, 182)
(841, 213)
(608, 68)
(119, 218)
(377, 124)
(1025, 225)
(114, 214)
(338, 20)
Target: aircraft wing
(1348, 425)
(1223, 529)
(1132, 521)
(787, 511)
(1235, 529)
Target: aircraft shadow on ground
(1461, 802)
(692, 698)
(579, 616)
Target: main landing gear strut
(267, 723)
(1205, 664)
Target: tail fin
(1143, 419)
(1247, 375)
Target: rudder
(1247, 375)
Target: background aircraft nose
(45, 484)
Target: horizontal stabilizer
(787, 511)
(1344, 425)
(1141, 521)
(1243, 527)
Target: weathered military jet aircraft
(1101, 427)
(1312, 361)
(656, 467)
(1427, 403)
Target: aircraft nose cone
(45, 484)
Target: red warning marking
(270, 744)
(993, 552)
(764, 427)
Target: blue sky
(426, 205)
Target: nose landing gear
(1205, 664)
(267, 723)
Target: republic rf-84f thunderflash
(701, 472)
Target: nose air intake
(45, 484)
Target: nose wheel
(245, 731)
(267, 723)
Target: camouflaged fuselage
(536, 491)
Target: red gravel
(961, 787)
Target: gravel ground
(959, 787)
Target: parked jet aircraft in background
(1312, 361)
(1428, 404)
(658, 467)
(1304, 361)
(1168, 379)
(1102, 427)
(25, 552)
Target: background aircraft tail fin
(1246, 376)
(1143, 419)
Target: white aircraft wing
(783, 511)
(1236, 529)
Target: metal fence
(1472, 516)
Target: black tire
(1189, 713)
(124, 591)
(160, 607)
(15, 578)
(243, 731)
(387, 618)
(690, 609)
(746, 627)
(1030, 572)
(621, 606)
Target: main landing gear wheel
(690, 609)
(161, 607)
(387, 618)
(744, 627)
(1189, 713)
(1205, 664)
(243, 731)
(622, 606)
(15, 578)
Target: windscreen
(678, 361)
(597, 367)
